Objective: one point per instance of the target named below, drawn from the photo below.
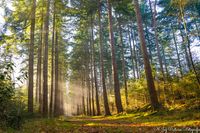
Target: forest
(99, 66)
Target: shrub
(11, 107)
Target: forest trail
(99, 125)
(128, 125)
(142, 122)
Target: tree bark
(123, 63)
(39, 68)
(131, 50)
(94, 70)
(150, 83)
(156, 38)
(56, 92)
(31, 59)
(177, 53)
(105, 98)
(133, 36)
(188, 45)
(45, 62)
(83, 95)
(114, 64)
(52, 62)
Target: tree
(39, 66)
(150, 83)
(56, 93)
(31, 58)
(114, 65)
(52, 62)
(123, 62)
(45, 62)
(105, 98)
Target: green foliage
(11, 107)
(186, 87)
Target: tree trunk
(114, 64)
(133, 36)
(31, 59)
(177, 53)
(52, 63)
(83, 97)
(131, 50)
(92, 82)
(123, 63)
(39, 68)
(149, 42)
(185, 48)
(156, 39)
(56, 92)
(94, 78)
(151, 87)
(105, 98)
(188, 45)
(45, 63)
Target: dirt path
(92, 125)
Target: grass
(135, 122)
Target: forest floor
(138, 122)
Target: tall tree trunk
(151, 87)
(89, 91)
(93, 64)
(149, 42)
(156, 38)
(31, 59)
(105, 98)
(45, 63)
(83, 95)
(56, 92)
(52, 63)
(188, 45)
(177, 53)
(123, 63)
(61, 87)
(185, 48)
(118, 101)
(92, 82)
(165, 62)
(131, 50)
(133, 36)
(39, 67)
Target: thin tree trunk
(52, 63)
(185, 48)
(188, 45)
(123, 63)
(39, 65)
(105, 98)
(156, 39)
(56, 92)
(31, 59)
(61, 87)
(149, 49)
(133, 36)
(150, 83)
(94, 72)
(83, 97)
(114, 64)
(131, 50)
(92, 82)
(45, 63)
(177, 53)
(39, 68)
